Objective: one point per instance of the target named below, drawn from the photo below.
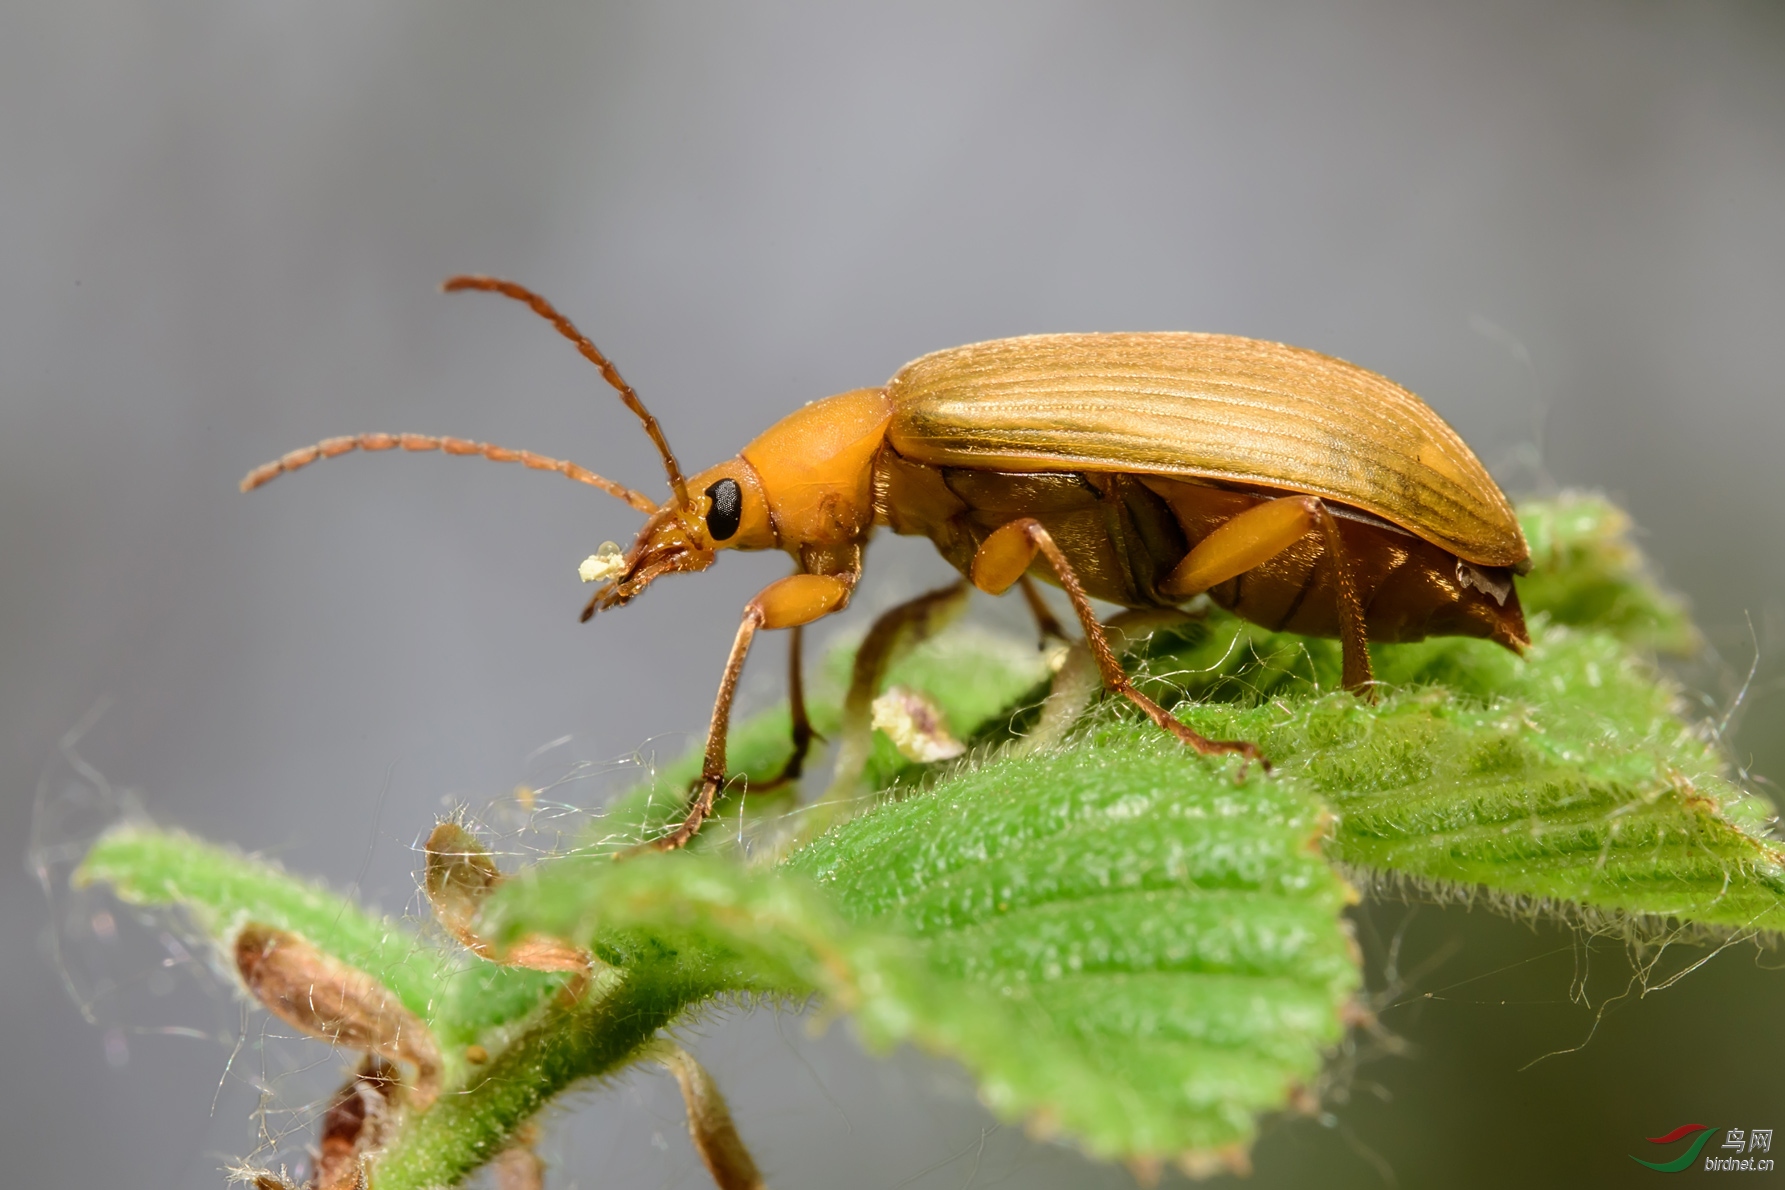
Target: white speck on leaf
(915, 726)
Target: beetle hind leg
(1259, 534)
(1000, 562)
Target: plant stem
(597, 1033)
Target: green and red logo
(1700, 1134)
(1735, 1155)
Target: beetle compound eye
(728, 509)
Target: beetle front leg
(1259, 534)
(1002, 559)
(787, 603)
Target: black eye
(727, 511)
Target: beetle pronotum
(1296, 490)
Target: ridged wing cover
(1206, 406)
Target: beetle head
(804, 484)
(725, 510)
(721, 508)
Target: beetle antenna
(547, 311)
(328, 448)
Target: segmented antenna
(328, 448)
(547, 311)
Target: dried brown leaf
(324, 997)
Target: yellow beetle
(1296, 490)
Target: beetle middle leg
(787, 603)
(803, 731)
(1259, 534)
(1046, 623)
(897, 629)
(1006, 554)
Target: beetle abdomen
(1218, 407)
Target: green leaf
(1122, 943)
(1586, 572)
(221, 888)
(1575, 783)
(1167, 935)
(1568, 780)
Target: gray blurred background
(221, 225)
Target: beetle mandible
(1296, 490)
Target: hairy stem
(595, 1034)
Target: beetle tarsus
(1248, 752)
(697, 814)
